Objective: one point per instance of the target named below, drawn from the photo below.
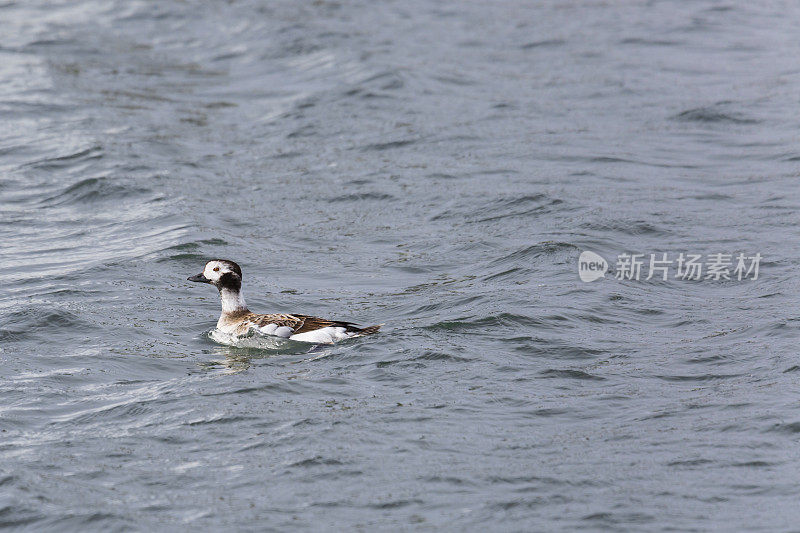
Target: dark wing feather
(311, 323)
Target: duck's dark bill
(199, 278)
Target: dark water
(437, 167)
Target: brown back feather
(304, 323)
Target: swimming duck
(236, 319)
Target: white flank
(327, 335)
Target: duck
(237, 320)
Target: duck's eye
(216, 269)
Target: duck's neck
(232, 301)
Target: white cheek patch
(209, 273)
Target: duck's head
(222, 274)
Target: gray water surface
(437, 167)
